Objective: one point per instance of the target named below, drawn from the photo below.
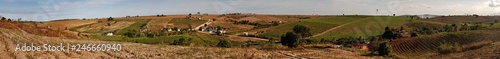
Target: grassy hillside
(370, 27)
(136, 26)
(317, 25)
(184, 23)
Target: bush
(414, 34)
(110, 19)
(182, 41)
(347, 41)
(446, 48)
(388, 34)
(385, 49)
(290, 39)
(132, 34)
(224, 44)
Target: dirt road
(331, 29)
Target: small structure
(245, 33)
(222, 31)
(169, 30)
(109, 34)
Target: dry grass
(135, 50)
(12, 34)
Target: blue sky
(44, 10)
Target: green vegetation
(224, 43)
(446, 48)
(182, 41)
(184, 23)
(296, 38)
(385, 49)
(317, 25)
(195, 39)
(78, 27)
(347, 41)
(134, 27)
(372, 26)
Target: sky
(46, 10)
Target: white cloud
(493, 3)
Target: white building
(109, 34)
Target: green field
(136, 26)
(317, 25)
(370, 27)
(198, 39)
(184, 23)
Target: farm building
(109, 34)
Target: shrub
(445, 48)
(132, 34)
(373, 45)
(224, 44)
(414, 34)
(347, 41)
(110, 19)
(388, 34)
(290, 39)
(385, 49)
(182, 41)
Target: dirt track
(331, 29)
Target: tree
(297, 37)
(388, 34)
(290, 39)
(496, 21)
(3, 18)
(9, 19)
(302, 31)
(475, 15)
(110, 19)
(384, 49)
